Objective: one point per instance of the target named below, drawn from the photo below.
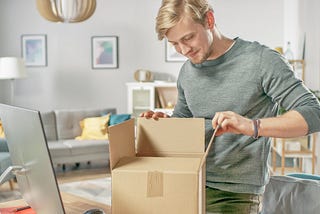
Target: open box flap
(170, 136)
(121, 141)
(159, 164)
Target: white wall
(69, 81)
(256, 20)
(310, 27)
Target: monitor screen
(29, 151)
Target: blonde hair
(171, 12)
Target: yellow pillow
(1, 131)
(94, 128)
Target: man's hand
(232, 123)
(154, 115)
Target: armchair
(5, 161)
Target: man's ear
(210, 19)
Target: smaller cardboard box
(158, 171)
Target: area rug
(98, 190)
(9, 195)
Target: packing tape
(155, 184)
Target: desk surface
(72, 204)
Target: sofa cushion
(49, 125)
(118, 118)
(1, 131)
(87, 146)
(59, 149)
(68, 126)
(94, 128)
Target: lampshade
(66, 10)
(12, 68)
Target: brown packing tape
(155, 184)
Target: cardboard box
(160, 172)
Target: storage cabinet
(144, 96)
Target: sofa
(61, 128)
(293, 193)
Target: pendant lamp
(67, 11)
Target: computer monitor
(31, 159)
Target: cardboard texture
(163, 174)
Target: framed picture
(34, 50)
(172, 55)
(104, 52)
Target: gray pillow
(284, 194)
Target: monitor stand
(14, 170)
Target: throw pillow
(118, 118)
(1, 131)
(94, 128)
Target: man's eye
(188, 38)
(174, 44)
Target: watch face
(142, 75)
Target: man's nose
(184, 48)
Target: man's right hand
(154, 115)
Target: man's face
(191, 39)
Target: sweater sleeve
(280, 83)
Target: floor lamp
(12, 68)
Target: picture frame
(104, 52)
(171, 54)
(34, 49)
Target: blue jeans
(222, 202)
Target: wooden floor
(83, 172)
(72, 173)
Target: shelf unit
(306, 150)
(144, 96)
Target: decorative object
(34, 49)
(172, 55)
(142, 75)
(67, 11)
(298, 66)
(12, 68)
(104, 52)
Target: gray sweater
(253, 81)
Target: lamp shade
(12, 68)
(67, 11)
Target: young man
(238, 85)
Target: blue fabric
(305, 176)
(118, 118)
(3, 145)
